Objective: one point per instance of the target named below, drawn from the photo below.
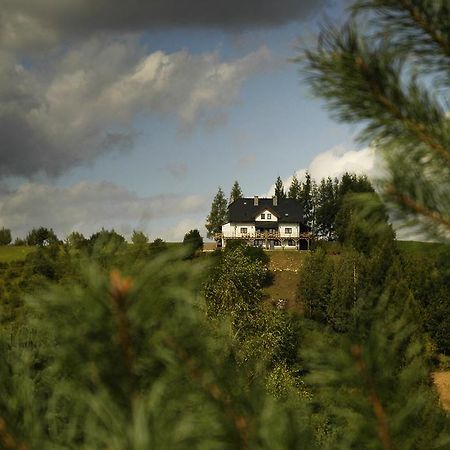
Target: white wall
(295, 230)
(234, 230)
(272, 219)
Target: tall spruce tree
(279, 189)
(236, 192)
(294, 188)
(306, 199)
(218, 214)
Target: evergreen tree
(327, 207)
(236, 192)
(279, 189)
(306, 199)
(294, 188)
(218, 214)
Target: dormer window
(263, 216)
(269, 216)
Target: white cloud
(88, 206)
(335, 162)
(58, 113)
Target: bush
(5, 236)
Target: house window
(269, 216)
(288, 230)
(263, 216)
(243, 230)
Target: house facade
(270, 223)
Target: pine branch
(119, 290)
(416, 128)
(214, 391)
(377, 407)
(419, 18)
(417, 208)
(7, 439)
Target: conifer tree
(306, 199)
(218, 214)
(294, 188)
(279, 189)
(236, 192)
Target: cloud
(30, 24)
(64, 111)
(335, 162)
(88, 206)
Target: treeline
(324, 208)
(43, 236)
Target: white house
(267, 222)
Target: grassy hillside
(423, 248)
(12, 253)
(285, 266)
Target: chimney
(275, 200)
(255, 200)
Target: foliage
(5, 236)
(158, 246)
(19, 242)
(193, 242)
(76, 240)
(137, 365)
(294, 188)
(41, 236)
(139, 238)
(218, 214)
(236, 192)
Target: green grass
(12, 253)
(422, 248)
(285, 266)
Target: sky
(130, 115)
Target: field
(422, 248)
(285, 265)
(10, 253)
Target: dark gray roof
(244, 210)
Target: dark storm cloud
(41, 18)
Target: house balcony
(263, 235)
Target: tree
(76, 240)
(306, 199)
(294, 188)
(236, 192)
(5, 236)
(326, 208)
(158, 246)
(193, 241)
(279, 189)
(41, 236)
(139, 238)
(218, 214)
